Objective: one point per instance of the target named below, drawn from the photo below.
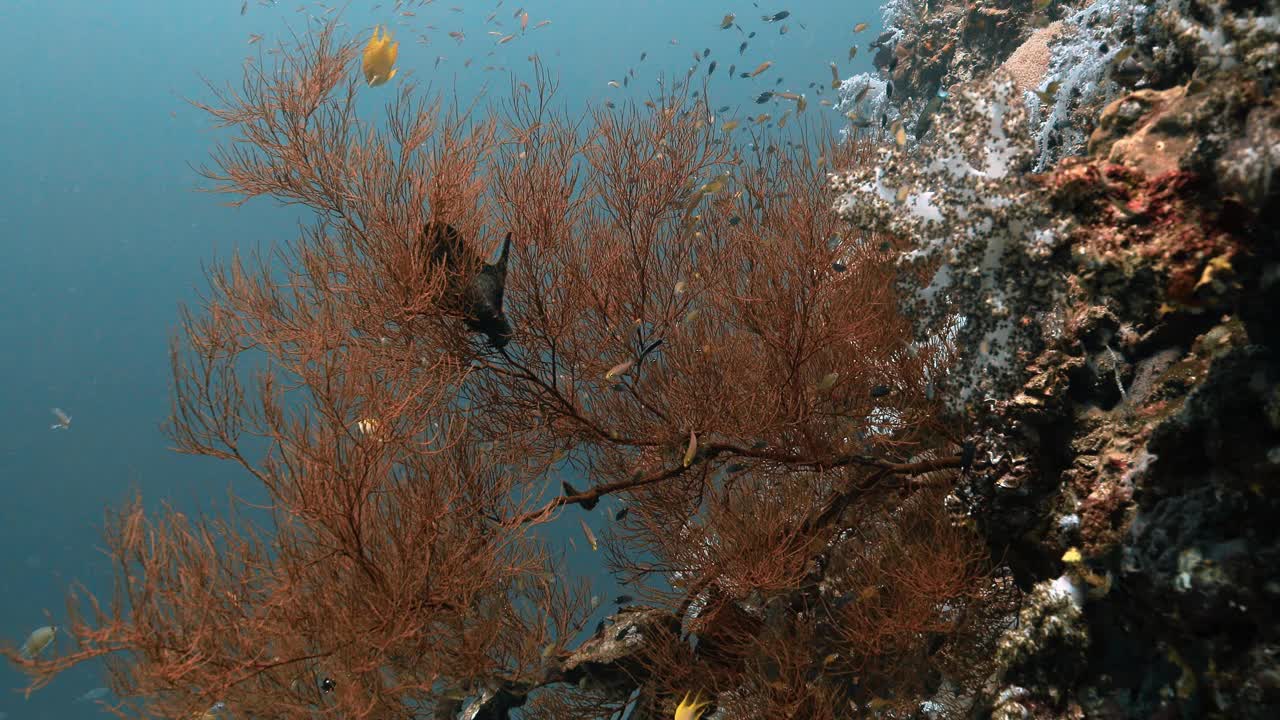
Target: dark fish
(480, 298)
(751, 34)
(776, 16)
(571, 490)
(888, 90)
(600, 627)
(711, 68)
(743, 47)
(764, 97)
(706, 52)
(731, 69)
(778, 81)
(643, 55)
(621, 513)
(735, 220)
(623, 599)
(879, 391)
(723, 109)
(244, 7)
(966, 456)
(838, 266)
(745, 74)
(734, 468)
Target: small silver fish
(64, 420)
(95, 694)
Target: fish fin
(502, 257)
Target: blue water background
(103, 234)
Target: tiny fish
(727, 22)
(765, 117)
(64, 420)
(38, 640)
(623, 599)
(621, 513)
(764, 97)
(591, 537)
(743, 47)
(614, 84)
(731, 71)
(95, 694)
(783, 30)
(244, 7)
(506, 39)
(853, 51)
(729, 126)
(835, 76)
(689, 454)
(619, 370)
(542, 23)
(643, 55)
(828, 381)
(861, 94)
(761, 68)
(776, 16)
(860, 27)
(706, 52)
(1046, 95)
(711, 68)
(879, 391)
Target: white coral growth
(963, 201)
(1080, 59)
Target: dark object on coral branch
(480, 298)
(570, 491)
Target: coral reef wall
(1088, 194)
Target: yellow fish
(379, 56)
(691, 710)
